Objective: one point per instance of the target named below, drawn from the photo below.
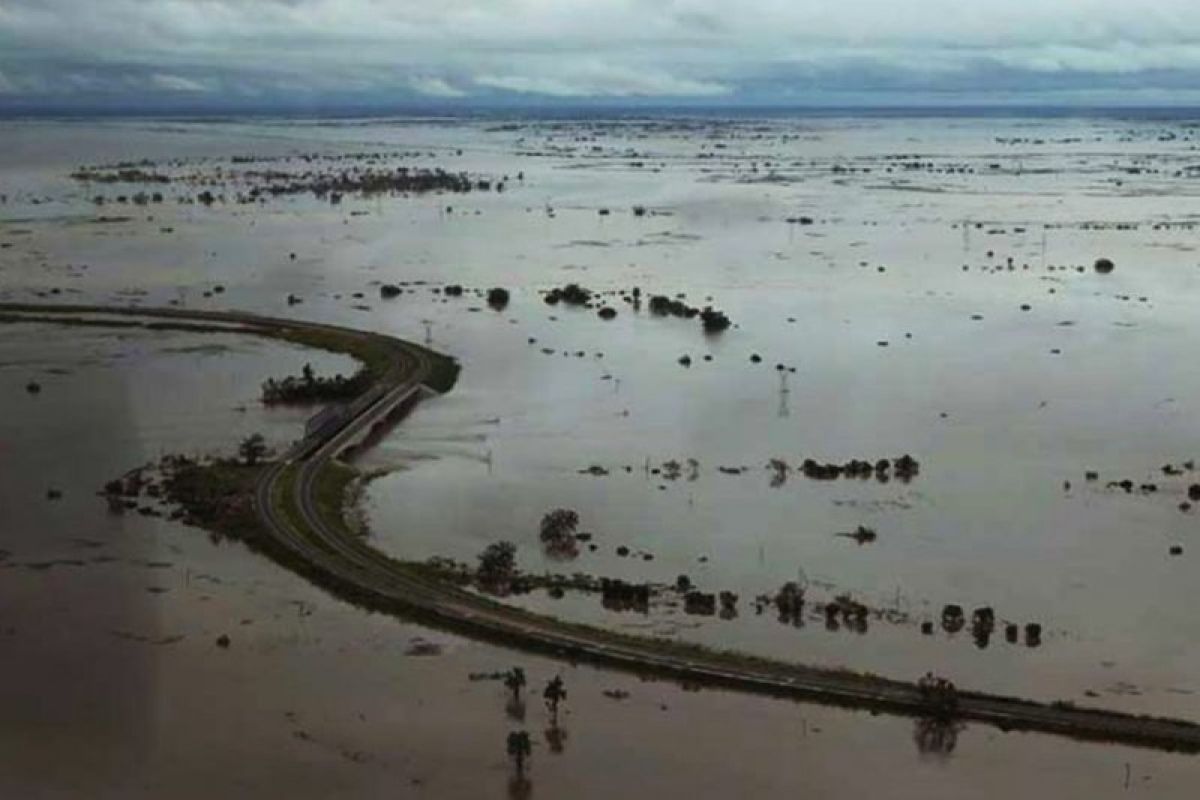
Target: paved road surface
(351, 564)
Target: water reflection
(936, 737)
(520, 788)
(515, 709)
(556, 739)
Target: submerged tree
(554, 693)
(497, 298)
(252, 449)
(713, 321)
(309, 388)
(558, 533)
(559, 524)
(514, 681)
(497, 563)
(519, 747)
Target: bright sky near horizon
(561, 51)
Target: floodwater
(1002, 407)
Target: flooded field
(922, 287)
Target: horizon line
(625, 107)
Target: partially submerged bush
(497, 563)
(497, 298)
(713, 321)
(789, 600)
(667, 306)
(308, 388)
(558, 532)
(572, 294)
(618, 595)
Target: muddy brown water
(102, 676)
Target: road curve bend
(286, 502)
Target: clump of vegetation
(619, 595)
(554, 693)
(389, 290)
(789, 601)
(217, 495)
(497, 565)
(514, 681)
(498, 298)
(367, 182)
(667, 306)
(939, 695)
(861, 535)
(558, 532)
(713, 321)
(905, 469)
(308, 388)
(983, 622)
(252, 449)
(559, 524)
(952, 618)
(728, 604)
(572, 294)
(125, 175)
(851, 613)
(700, 603)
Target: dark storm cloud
(699, 50)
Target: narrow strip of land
(347, 565)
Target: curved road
(352, 565)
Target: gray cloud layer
(786, 51)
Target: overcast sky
(703, 52)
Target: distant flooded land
(494, 456)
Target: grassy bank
(376, 353)
(330, 493)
